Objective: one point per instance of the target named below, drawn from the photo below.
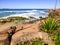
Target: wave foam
(34, 13)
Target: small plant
(37, 42)
(32, 42)
(49, 24)
(57, 39)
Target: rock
(4, 39)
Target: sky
(29, 4)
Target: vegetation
(17, 18)
(56, 34)
(53, 26)
(55, 13)
(57, 38)
(49, 24)
(32, 42)
(10, 19)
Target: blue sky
(28, 4)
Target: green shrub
(32, 42)
(49, 24)
(37, 42)
(57, 38)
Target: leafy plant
(49, 24)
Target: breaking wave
(24, 13)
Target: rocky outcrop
(5, 36)
(4, 39)
(16, 34)
(29, 32)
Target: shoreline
(25, 13)
(25, 16)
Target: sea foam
(34, 13)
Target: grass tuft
(49, 24)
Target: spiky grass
(49, 24)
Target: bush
(57, 38)
(49, 24)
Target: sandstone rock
(4, 39)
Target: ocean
(5, 13)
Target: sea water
(5, 13)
